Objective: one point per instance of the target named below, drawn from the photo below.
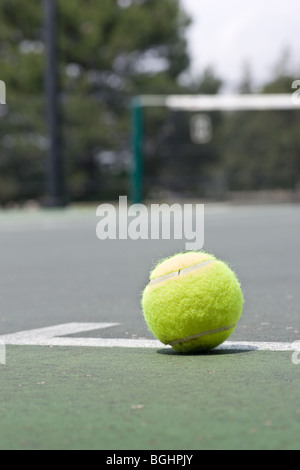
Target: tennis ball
(193, 301)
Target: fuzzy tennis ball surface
(193, 301)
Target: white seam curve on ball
(159, 279)
(199, 335)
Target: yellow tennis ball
(193, 301)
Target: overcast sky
(228, 33)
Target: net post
(55, 196)
(137, 157)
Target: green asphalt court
(80, 370)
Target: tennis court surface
(81, 369)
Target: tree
(208, 83)
(108, 52)
(246, 84)
(262, 148)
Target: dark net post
(55, 193)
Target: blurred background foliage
(108, 52)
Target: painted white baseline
(57, 336)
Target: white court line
(52, 336)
